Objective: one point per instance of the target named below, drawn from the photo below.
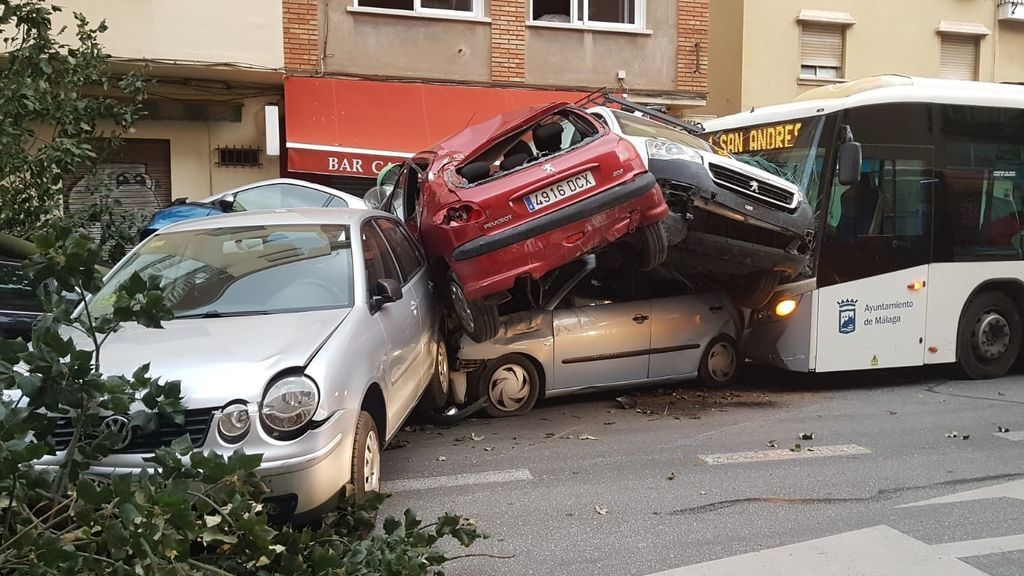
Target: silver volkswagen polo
(601, 327)
(305, 335)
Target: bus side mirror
(850, 159)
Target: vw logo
(548, 168)
(121, 427)
(753, 186)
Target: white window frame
(418, 9)
(577, 20)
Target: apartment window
(599, 13)
(821, 51)
(467, 7)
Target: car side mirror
(385, 291)
(850, 160)
(226, 202)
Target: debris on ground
(671, 476)
(488, 448)
(396, 444)
(441, 459)
(796, 448)
(703, 493)
(476, 437)
(418, 427)
(1003, 429)
(587, 437)
(953, 434)
(628, 402)
(550, 434)
(806, 436)
(966, 436)
(678, 402)
(893, 412)
(600, 509)
(772, 444)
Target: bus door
(873, 267)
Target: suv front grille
(752, 187)
(197, 425)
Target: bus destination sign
(759, 139)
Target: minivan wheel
(720, 364)
(436, 394)
(511, 385)
(989, 336)
(366, 456)
(479, 321)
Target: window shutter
(958, 59)
(821, 45)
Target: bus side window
(983, 183)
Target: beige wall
(725, 66)
(400, 45)
(889, 37)
(588, 58)
(1009, 59)
(242, 31)
(194, 173)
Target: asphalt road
(696, 480)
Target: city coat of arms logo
(847, 316)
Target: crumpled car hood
(219, 359)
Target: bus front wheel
(989, 336)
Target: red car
(520, 195)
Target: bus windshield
(789, 150)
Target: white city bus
(920, 258)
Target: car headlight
(234, 423)
(289, 403)
(668, 150)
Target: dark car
(516, 196)
(19, 304)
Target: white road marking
(1014, 436)
(407, 484)
(785, 454)
(877, 551)
(1013, 489)
(969, 548)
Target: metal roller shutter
(138, 174)
(821, 45)
(958, 59)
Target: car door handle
(641, 318)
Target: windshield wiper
(217, 314)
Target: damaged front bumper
(739, 233)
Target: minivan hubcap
(461, 307)
(371, 463)
(509, 387)
(721, 361)
(992, 335)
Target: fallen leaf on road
(609, 423)
(671, 476)
(441, 458)
(806, 436)
(953, 434)
(772, 444)
(488, 448)
(549, 434)
(600, 509)
(1003, 429)
(797, 448)
(476, 437)
(587, 437)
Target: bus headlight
(785, 307)
(289, 404)
(661, 149)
